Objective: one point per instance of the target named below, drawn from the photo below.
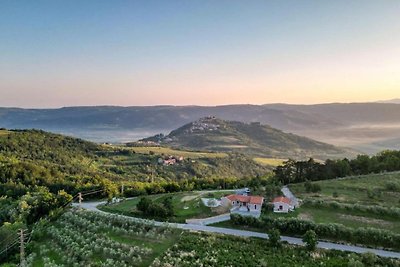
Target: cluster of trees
(300, 171)
(163, 209)
(294, 226)
(132, 189)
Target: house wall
(285, 207)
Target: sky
(73, 53)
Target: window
(255, 207)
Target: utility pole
(122, 190)
(80, 198)
(22, 247)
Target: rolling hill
(213, 134)
(367, 127)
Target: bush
(310, 239)
(294, 226)
(274, 238)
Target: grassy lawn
(187, 205)
(175, 152)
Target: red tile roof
(256, 200)
(281, 199)
(246, 199)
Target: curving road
(92, 206)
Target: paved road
(210, 220)
(292, 240)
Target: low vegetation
(175, 207)
(196, 249)
(82, 238)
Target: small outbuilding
(282, 205)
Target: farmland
(269, 161)
(82, 238)
(367, 201)
(160, 150)
(186, 205)
(94, 239)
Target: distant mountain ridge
(255, 139)
(390, 101)
(368, 127)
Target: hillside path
(92, 206)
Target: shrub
(274, 237)
(310, 239)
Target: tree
(274, 238)
(143, 204)
(310, 240)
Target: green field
(373, 191)
(159, 150)
(357, 189)
(187, 205)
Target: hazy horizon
(379, 101)
(124, 53)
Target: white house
(244, 205)
(282, 205)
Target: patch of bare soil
(188, 198)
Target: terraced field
(367, 201)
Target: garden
(185, 205)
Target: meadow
(358, 201)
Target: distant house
(170, 161)
(243, 205)
(282, 205)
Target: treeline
(132, 189)
(300, 171)
(293, 226)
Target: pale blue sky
(63, 53)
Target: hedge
(293, 226)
